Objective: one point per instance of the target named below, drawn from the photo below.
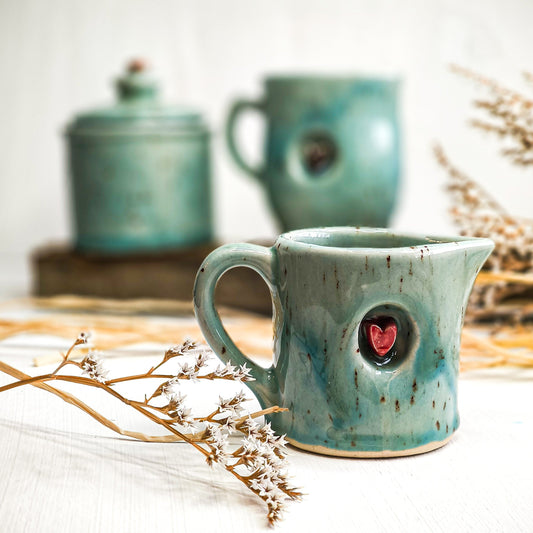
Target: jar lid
(138, 110)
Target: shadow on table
(159, 468)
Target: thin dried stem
(69, 398)
(486, 277)
(496, 350)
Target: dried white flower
(201, 360)
(230, 422)
(261, 485)
(274, 497)
(229, 371)
(93, 367)
(275, 510)
(249, 452)
(279, 442)
(266, 471)
(217, 442)
(83, 337)
(178, 412)
(186, 346)
(266, 433)
(243, 374)
(188, 371)
(232, 404)
(250, 427)
(224, 371)
(168, 388)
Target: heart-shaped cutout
(381, 335)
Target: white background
(59, 56)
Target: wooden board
(169, 275)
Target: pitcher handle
(236, 109)
(260, 259)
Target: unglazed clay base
(370, 455)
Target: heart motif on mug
(381, 335)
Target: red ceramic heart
(381, 336)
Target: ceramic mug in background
(367, 327)
(332, 154)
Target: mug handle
(260, 259)
(236, 109)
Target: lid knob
(136, 84)
(137, 65)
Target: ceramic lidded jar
(139, 171)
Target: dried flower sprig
(510, 116)
(259, 462)
(477, 214)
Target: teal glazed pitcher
(139, 172)
(367, 327)
(332, 149)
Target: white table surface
(60, 471)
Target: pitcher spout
(472, 254)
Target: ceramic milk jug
(367, 330)
(332, 154)
(139, 172)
